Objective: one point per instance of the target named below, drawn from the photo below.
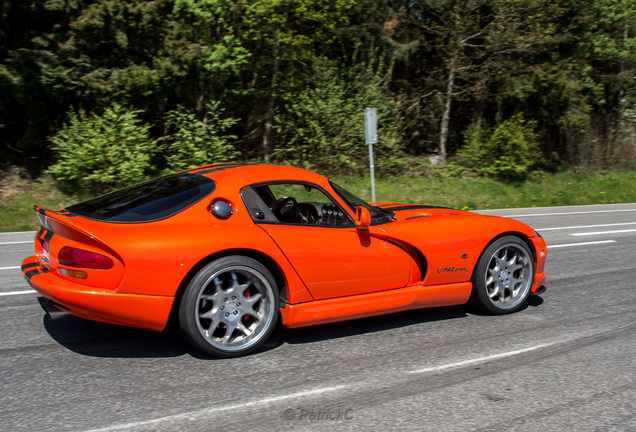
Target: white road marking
(570, 213)
(581, 244)
(10, 268)
(17, 232)
(17, 242)
(481, 359)
(585, 226)
(10, 293)
(604, 232)
(192, 414)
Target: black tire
(230, 307)
(503, 276)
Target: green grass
(541, 189)
(18, 195)
(472, 193)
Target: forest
(105, 93)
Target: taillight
(73, 257)
(45, 251)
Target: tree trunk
(443, 136)
(269, 123)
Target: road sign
(371, 126)
(371, 137)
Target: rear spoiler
(60, 222)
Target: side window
(293, 203)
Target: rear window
(156, 199)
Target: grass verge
(471, 193)
(18, 195)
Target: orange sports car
(228, 250)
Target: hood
(402, 211)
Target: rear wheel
(503, 276)
(230, 307)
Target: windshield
(156, 199)
(377, 216)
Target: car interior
(301, 204)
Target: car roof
(248, 174)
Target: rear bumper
(144, 311)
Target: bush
(103, 151)
(506, 152)
(195, 142)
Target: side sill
(373, 304)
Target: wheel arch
(521, 236)
(478, 295)
(261, 257)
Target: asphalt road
(565, 362)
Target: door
(321, 241)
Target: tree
(285, 71)
(34, 81)
(287, 35)
(193, 142)
(507, 152)
(323, 128)
(472, 42)
(102, 151)
(608, 42)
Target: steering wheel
(285, 209)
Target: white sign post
(370, 138)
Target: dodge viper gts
(228, 250)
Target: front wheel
(503, 276)
(230, 307)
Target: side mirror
(363, 218)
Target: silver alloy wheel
(508, 276)
(234, 308)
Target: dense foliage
(113, 149)
(503, 86)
